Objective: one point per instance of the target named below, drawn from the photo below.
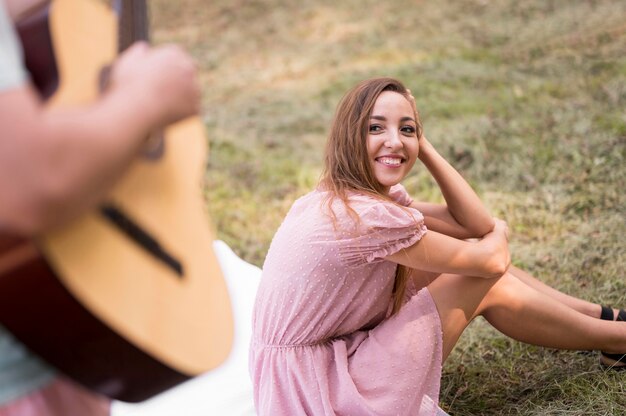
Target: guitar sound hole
(154, 148)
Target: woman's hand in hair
(426, 148)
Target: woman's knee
(461, 293)
(506, 293)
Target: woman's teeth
(391, 161)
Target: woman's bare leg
(580, 305)
(518, 310)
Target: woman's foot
(611, 360)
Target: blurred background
(527, 99)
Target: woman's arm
(464, 215)
(438, 218)
(436, 252)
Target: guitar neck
(133, 23)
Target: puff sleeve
(384, 228)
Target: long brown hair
(346, 161)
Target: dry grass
(527, 99)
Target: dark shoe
(608, 360)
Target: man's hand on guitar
(164, 76)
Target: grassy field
(527, 99)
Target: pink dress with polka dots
(323, 342)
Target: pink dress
(323, 342)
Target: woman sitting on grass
(365, 292)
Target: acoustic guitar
(129, 299)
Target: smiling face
(392, 140)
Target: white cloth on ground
(226, 390)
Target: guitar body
(107, 312)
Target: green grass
(527, 99)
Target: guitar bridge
(141, 238)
